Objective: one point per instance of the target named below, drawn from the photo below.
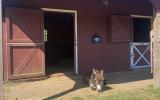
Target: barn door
(24, 43)
(140, 54)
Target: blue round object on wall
(96, 39)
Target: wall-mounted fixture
(106, 2)
(96, 39)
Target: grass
(148, 93)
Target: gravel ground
(67, 86)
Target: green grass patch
(137, 94)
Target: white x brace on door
(140, 55)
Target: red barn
(47, 36)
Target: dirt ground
(66, 86)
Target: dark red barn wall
(93, 17)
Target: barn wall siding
(93, 17)
(156, 4)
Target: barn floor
(65, 66)
(66, 86)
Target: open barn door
(24, 43)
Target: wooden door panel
(26, 59)
(121, 28)
(24, 41)
(21, 25)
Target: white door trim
(141, 16)
(75, 32)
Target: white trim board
(141, 16)
(59, 10)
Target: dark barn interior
(59, 47)
(141, 29)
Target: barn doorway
(59, 32)
(140, 46)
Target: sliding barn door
(24, 43)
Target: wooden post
(156, 49)
(1, 53)
(156, 42)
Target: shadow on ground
(79, 84)
(112, 78)
(129, 76)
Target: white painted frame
(133, 47)
(75, 32)
(141, 16)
